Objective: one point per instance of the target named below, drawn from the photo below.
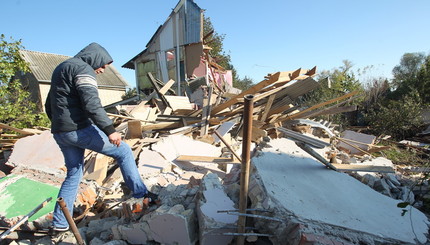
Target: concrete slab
(151, 163)
(300, 190)
(37, 152)
(211, 222)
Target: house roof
(43, 64)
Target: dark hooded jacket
(73, 101)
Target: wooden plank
(353, 146)
(166, 87)
(100, 169)
(308, 74)
(206, 159)
(267, 107)
(363, 168)
(228, 146)
(157, 89)
(179, 103)
(317, 112)
(5, 126)
(280, 109)
(167, 111)
(8, 140)
(254, 89)
(161, 125)
(141, 106)
(297, 115)
(131, 118)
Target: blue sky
(261, 36)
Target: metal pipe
(246, 157)
(69, 219)
(25, 218)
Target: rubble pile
(188, 152)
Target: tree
(130, 93)
(423, 76)
(395, 108)
(216, 43)
(399, 118)
(405, 79)
(17, 109)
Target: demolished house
(252, 166)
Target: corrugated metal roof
(193, 23)
(43, 64)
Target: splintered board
(20, 195)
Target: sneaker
(151, 198)
(54, 231)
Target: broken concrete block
(369, 180)
(134, 234)
(407, 195)
(173, 225)
(37, 152)
(96, 227)
(151, 163)
(393, 179)
(116, 242)
(382, 187)
(97, 241)
(211, 222)
(46, 240)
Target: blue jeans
(73, 145)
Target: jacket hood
(95, 55)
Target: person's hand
(115, 138)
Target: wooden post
(246, 158)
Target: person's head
(96, 56)
(100, 70)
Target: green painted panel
(20, 195)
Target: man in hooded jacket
(79, 122)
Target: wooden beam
(131, 118)
(206, 159)
(157, 89)
(254, 89)
(228, 146)
(353, 146)
(267, 107)
(297, 115)
(166, 87)
(5, 126)
(364, 168)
